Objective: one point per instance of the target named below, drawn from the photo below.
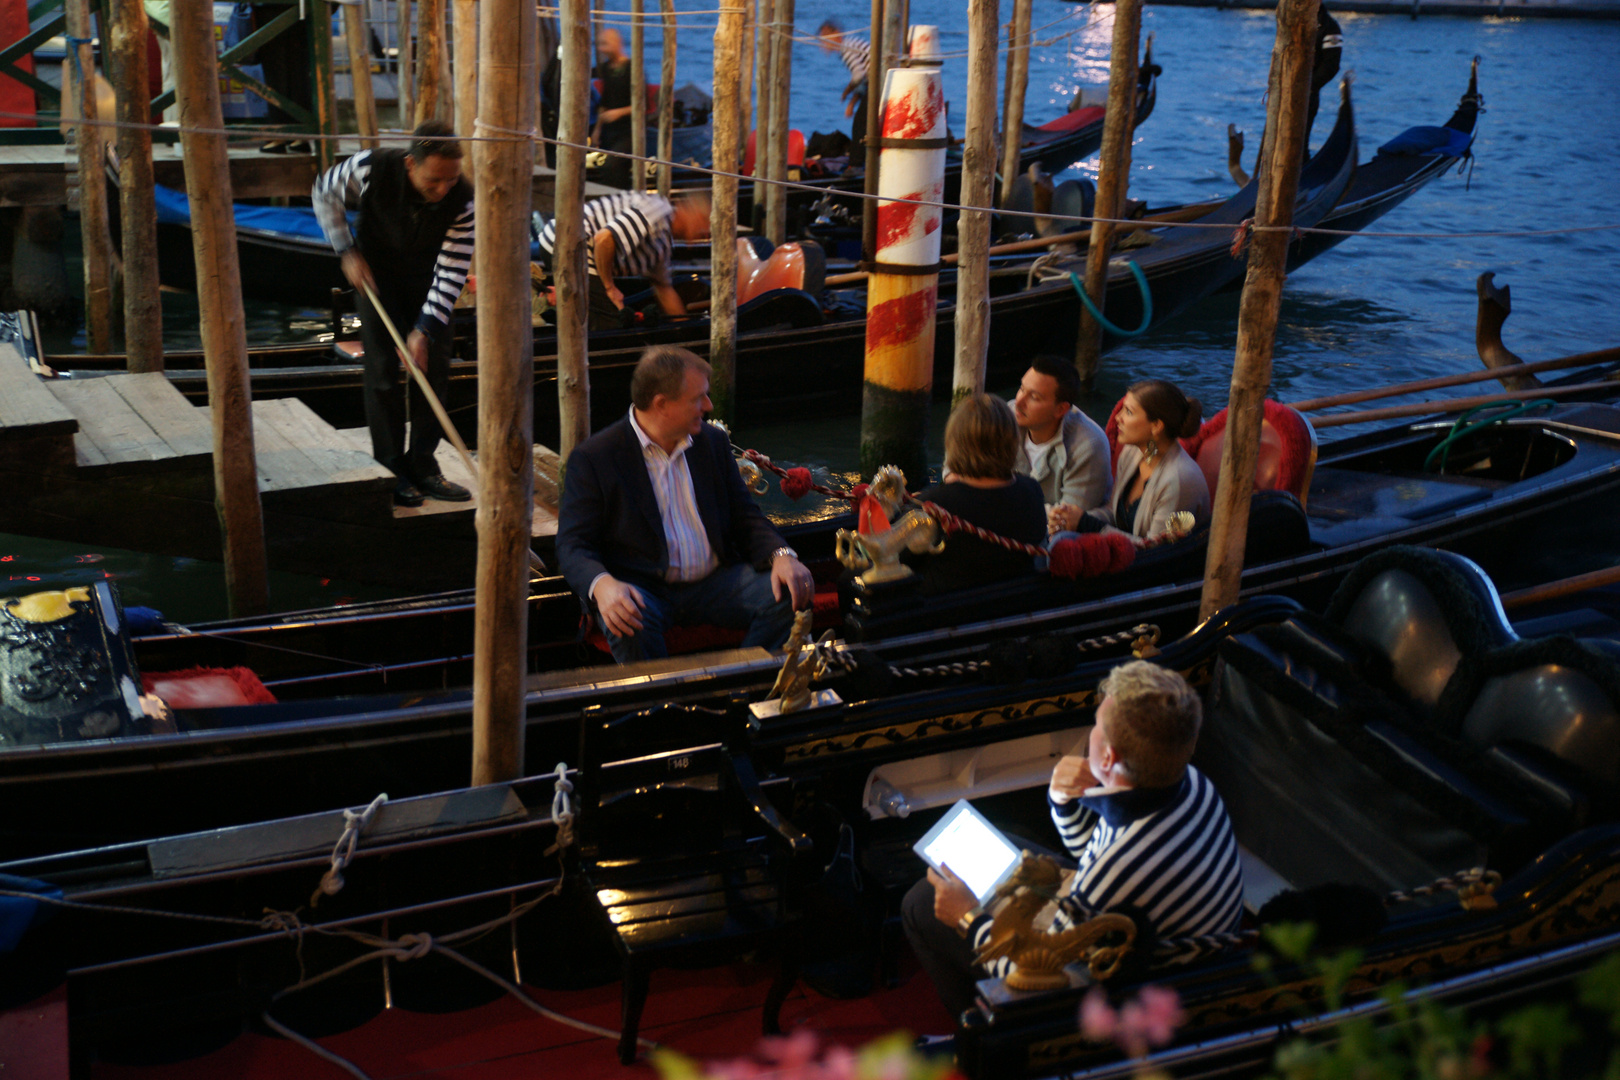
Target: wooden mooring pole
(89, 145)
(978, 189)
(666, 100)
(568, 260)
(137, 212)
(745, 104)
(507, 99)
(638, 93)
(365, 102)
(1112, 177)
(430, 41)
(903, 290)
(1288, 96)
(876, 66)
(723, 213)
(405, 67)
(219, 300)
(762, 116)
(1012, 120)
(782, 81)
(464, 16)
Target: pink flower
(1098, 1021)
(1157, 1016)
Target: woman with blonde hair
(1154, 478)
(981, 448)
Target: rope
(562, 809)
(1102, 320)
(353, 825)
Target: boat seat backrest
(1287, 451)
(793, 265)
(1565, 706)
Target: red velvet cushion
(207, 688)
(1072, 121)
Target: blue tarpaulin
(173, 208)
(19, 913)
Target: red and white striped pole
(902, 292)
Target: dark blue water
(1373, 311)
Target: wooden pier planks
(27, 409)
(127, 422)
(297, 451)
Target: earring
(1152, 449)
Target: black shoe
(437, 487)
(407, 493)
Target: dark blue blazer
(609, 523)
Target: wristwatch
(965, 923)
(784, 550)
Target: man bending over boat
(656, 528)
(413, 245)
(631, 234)
(1063, 450)
(1148, 830)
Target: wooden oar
(1183, 213)
(1555, 590)
(1355, 397)
(1455, 405)
(535, 562)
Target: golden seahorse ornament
(1040, 955)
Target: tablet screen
(974, 849)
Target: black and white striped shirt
(341, 187)
(856, 54)
(1167, 852)
(640, 224)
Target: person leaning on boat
(981, 450)
(1062, 449)
(1153, 478)
(1148, 832)
(631, 234)
(413, 244)
(656, 528)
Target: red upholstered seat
(1079, 118)
(1287, 449)
(207, 688)
(682, 640)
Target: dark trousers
(737, 597)
(386, 394)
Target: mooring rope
(343, 851)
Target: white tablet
(975, 850)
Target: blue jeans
(737, 597)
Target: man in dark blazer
(656, 527)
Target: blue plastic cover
(1428, 140)
(19, 913)
(173, 208)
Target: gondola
(371, 698)
(1442, 737)
(285, 257)
(1180, 266)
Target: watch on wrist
(784, 550)
(965, 923)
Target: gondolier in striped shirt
(1148, 831)
(413, 245)
(856, 53)
(631, 234)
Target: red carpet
(702, 1014)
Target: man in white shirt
(1063, 449)
(656, 528)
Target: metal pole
(508, 97)
(1290, 83)
(568, 265)
(978, 189)
(219, 298)
(902, 293)
(89, 143)
(723, 213)
(1112, 176)
(137, 212)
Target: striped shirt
(1167, 852)
(640, 224)
(691, 557)
(856, 54)
(341, 187)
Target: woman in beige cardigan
(1153, 477)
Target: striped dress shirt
(691, 558)
(343, 184)
(1167, 852)
(642, 239)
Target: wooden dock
(126, 460)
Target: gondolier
(631, 234)
(413, 244)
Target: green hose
(1462, 428)
(1147, 303)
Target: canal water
(1373, 311)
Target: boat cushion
(1073, 121)
(1415, 141)
(207, 688)
(1287, 450)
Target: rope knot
(1240, 237)
(562, 808)
(413, 946)
(354, 823)
(284, 922)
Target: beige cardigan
(1176, 484)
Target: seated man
(656, 527)
(1063, 449)
(1148, 829)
